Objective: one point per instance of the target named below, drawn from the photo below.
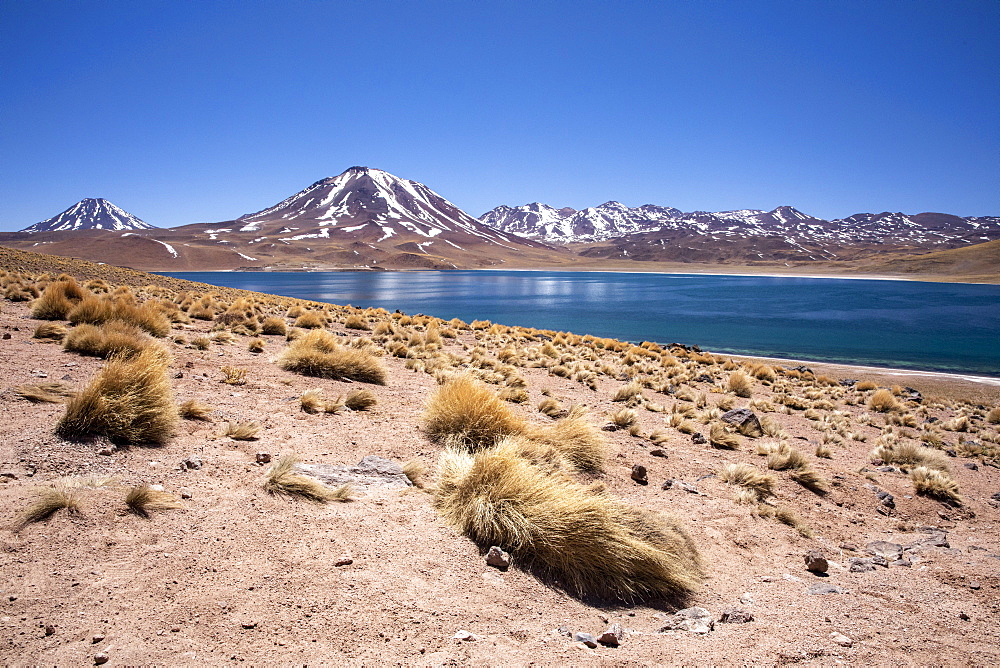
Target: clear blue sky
(185, 112)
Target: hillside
(979, 263)
(223, 571)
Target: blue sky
(184, 112)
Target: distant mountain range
(366, 218)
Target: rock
(903, 561)
(49, 630)
(735, 616)
(850, 547)
(964, 616)
(859, 565)
(639, 474)
(671, 483)
(465, 636)
(191, 464)
(585, 638)
(996, 497)
(746, 599)
(610, 427)
(6, 336)
(698, 439)
(497, 558)
(885, 549)
(343, 561)
(564, 631)
(101, 658)
(841, 639)
(745, 419)
(975, 585)
(848, 382)
(185, 493)
(612, 636)
(106, 451)
(972, 466)
(816, 562)
(821, 589)
(263, 457)
(98, 637)
(7, 475)
(371, 472)
(248, 624)
(693, 620)
(658, 452)
(879, 560)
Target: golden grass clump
(50, 330)
(313, 401)
(719, 437)
(865, 386)
(883, 401)
(465, 409)
(415, 470)
(907, 454)
(319, 354)
(591, 544)
(111, 338)
(356, 321)
(192, 409)
(311, 320)
(993, 417)
(550, 407)
(57, 300)
(242, 431)
(282, 480)
(95, 311)
(234, 375)
(49, 501)
(936, 484)
(623, 418)
(785, 457)
(144, 498)
(749, 477)
(129, 401)
(274, 326)
(50, 393)
(575, 438)
(360, 400)
(740, 384)
(256, 345)
(201, 343)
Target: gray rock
(343, 561)
(859, 565)
(816, 562)
(497, 558)
(639, 474)
(972, 466)
(370, 473)
(693, 620)
(564, 631)
(841, 639)
(821, 589)
(879, 560)
(735, 616)
(586, 638)
(658, 452)
(106, 452)
(185, 493)
(612, 636)
(745, 419)
(885, 549)
(698, 439)
(671, 483)
(7, 475)
(50, 630)
(903, 561)
(465, 636)
(191, 463)
(263, 458)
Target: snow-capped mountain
(613, 221)
(91, 214)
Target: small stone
(249, 624)
(497, 558)
(12, 598)
(819, 590)
(49, 630)
(98, 637)
(964, 616)
(586, 638)
(850, 547)
(612, 636)
(693, 620)
(698, 439)
(185, 493)
(879, 560)
(859, 565)
(101, 658)
(639, 474)
(263, 457)
(972, 466)
(191, 463)
(885, 549)
(746, 599)
(465, 636)
(175, 629)
(816, 562)
(157, 488)
(841, 639)
(564, 631)
(902, 561)
(6, 336)
(974, 585)
(658, 452)
(735, 616)
(106, 452)
(7, 475)
(343, 561)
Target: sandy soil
(238, 576)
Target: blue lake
(903, 324)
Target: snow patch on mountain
(91, 214)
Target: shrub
(740, 384)
(129, 401)
(192, 409)
(96, 311)
(575, 438)
(882, 401)
(357, 322)
(865, 386)
(628, 392)
(50, 330)
(140, 500)
(550, 407)
(466, 410)
(57, 300)
(624, 418)
(589, 543)
(993, 417)
(936, 484)
(256, 345)
(201, 343)
(360, 400)
(719, 437)
(415, 470)
(49, 502)
(748, 477)
(319, 354)
(809, 479)
(311, 320)
(112, 338)
(909, 455)
(242, 431)
(785, 457)
(283, 480)
(274, 326)
(234, 375)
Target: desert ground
(892, 478)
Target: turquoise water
(902, 324)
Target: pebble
(816, 562)
(698, 439)
(465, 636)
(818, 590)
(249, 624)
(263, 457)
(343, 561)
(841, 639)
(49, 630)
(185, 493)
(639, 474)
(98, 637)
(692, 620)
(586, 638)
(101, 658)
(612, 636)
(106, 452)
(497, 558)
(735, 616)
(658, 452)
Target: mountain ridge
(90, 214)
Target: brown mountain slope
(978, 263)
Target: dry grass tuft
(129, 401)
(465, 409)
(319, 354)
(907, 454)
(748, 477)
(234, 375)
(140, 500)
(785, 457)
(273, 326)
(883, 401)
(360, 400)
(415, 471)
(242, 431)
(357, 322)
(576, 439)
(993, 417)
(256, 345)
(49, 502)
(311, 320)
(107, 340)
(192, 409)
(740, 384)
(811, 480)
(623, 418)
(57, 300)
(788, 516)
(550, 407)
(720, 437)
(589, 543)
(50, 393)
(50, 330)
(95, 311)
(283, 480)
(936, 484)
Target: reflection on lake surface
(908, 324)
